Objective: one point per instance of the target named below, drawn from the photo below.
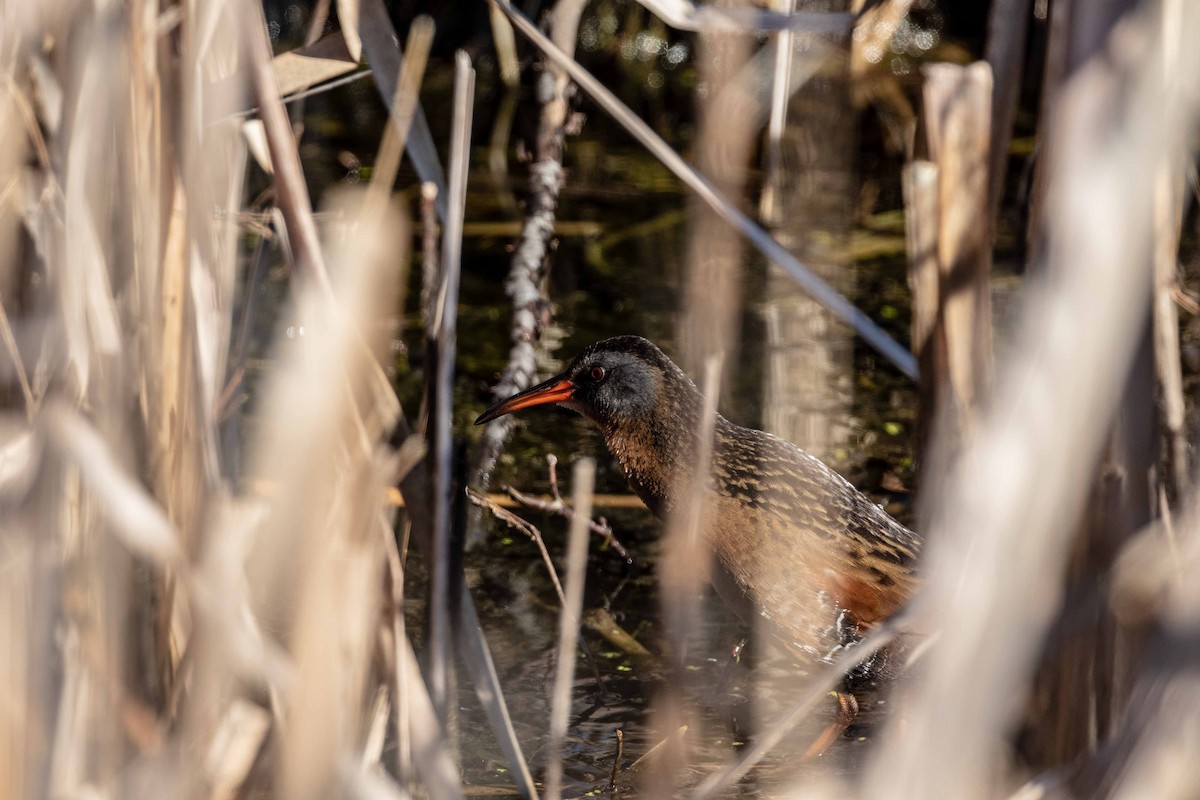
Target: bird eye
(598, 374)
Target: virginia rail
(796, 543)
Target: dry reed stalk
(392, 635)
(430, 755)
(348, 17)
(132, 363)
(1054, 73)
(291, 190)
(316, 23)
(136, 554)
(505, 42)
(395, 134)
(110, 494)
(957, 106)
(381, 46)
(1023, 479)
(27, 598)
(1077, 32)
(297, 71)
(583, 479)
(1168, 217)
(1150, 585)
(145, 348)
(1085, 688)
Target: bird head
(615, 382)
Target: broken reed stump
(946, 199)
(921, 233)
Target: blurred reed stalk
(583, 480)
(1001, 524)
(441, 353)
(683, 572)
(169, 633)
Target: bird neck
(656, 449)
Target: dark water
(617, 268)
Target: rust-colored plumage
(796, 543)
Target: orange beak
(555, 390)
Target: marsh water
(619, 260)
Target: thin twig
(552, 468)
(430, 271)
(525, 527)
(616, 767)
(559, 507)
(529, 529)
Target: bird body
(796, 544)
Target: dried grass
(167, 633)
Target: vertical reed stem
(441, 447)
(582, 483)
